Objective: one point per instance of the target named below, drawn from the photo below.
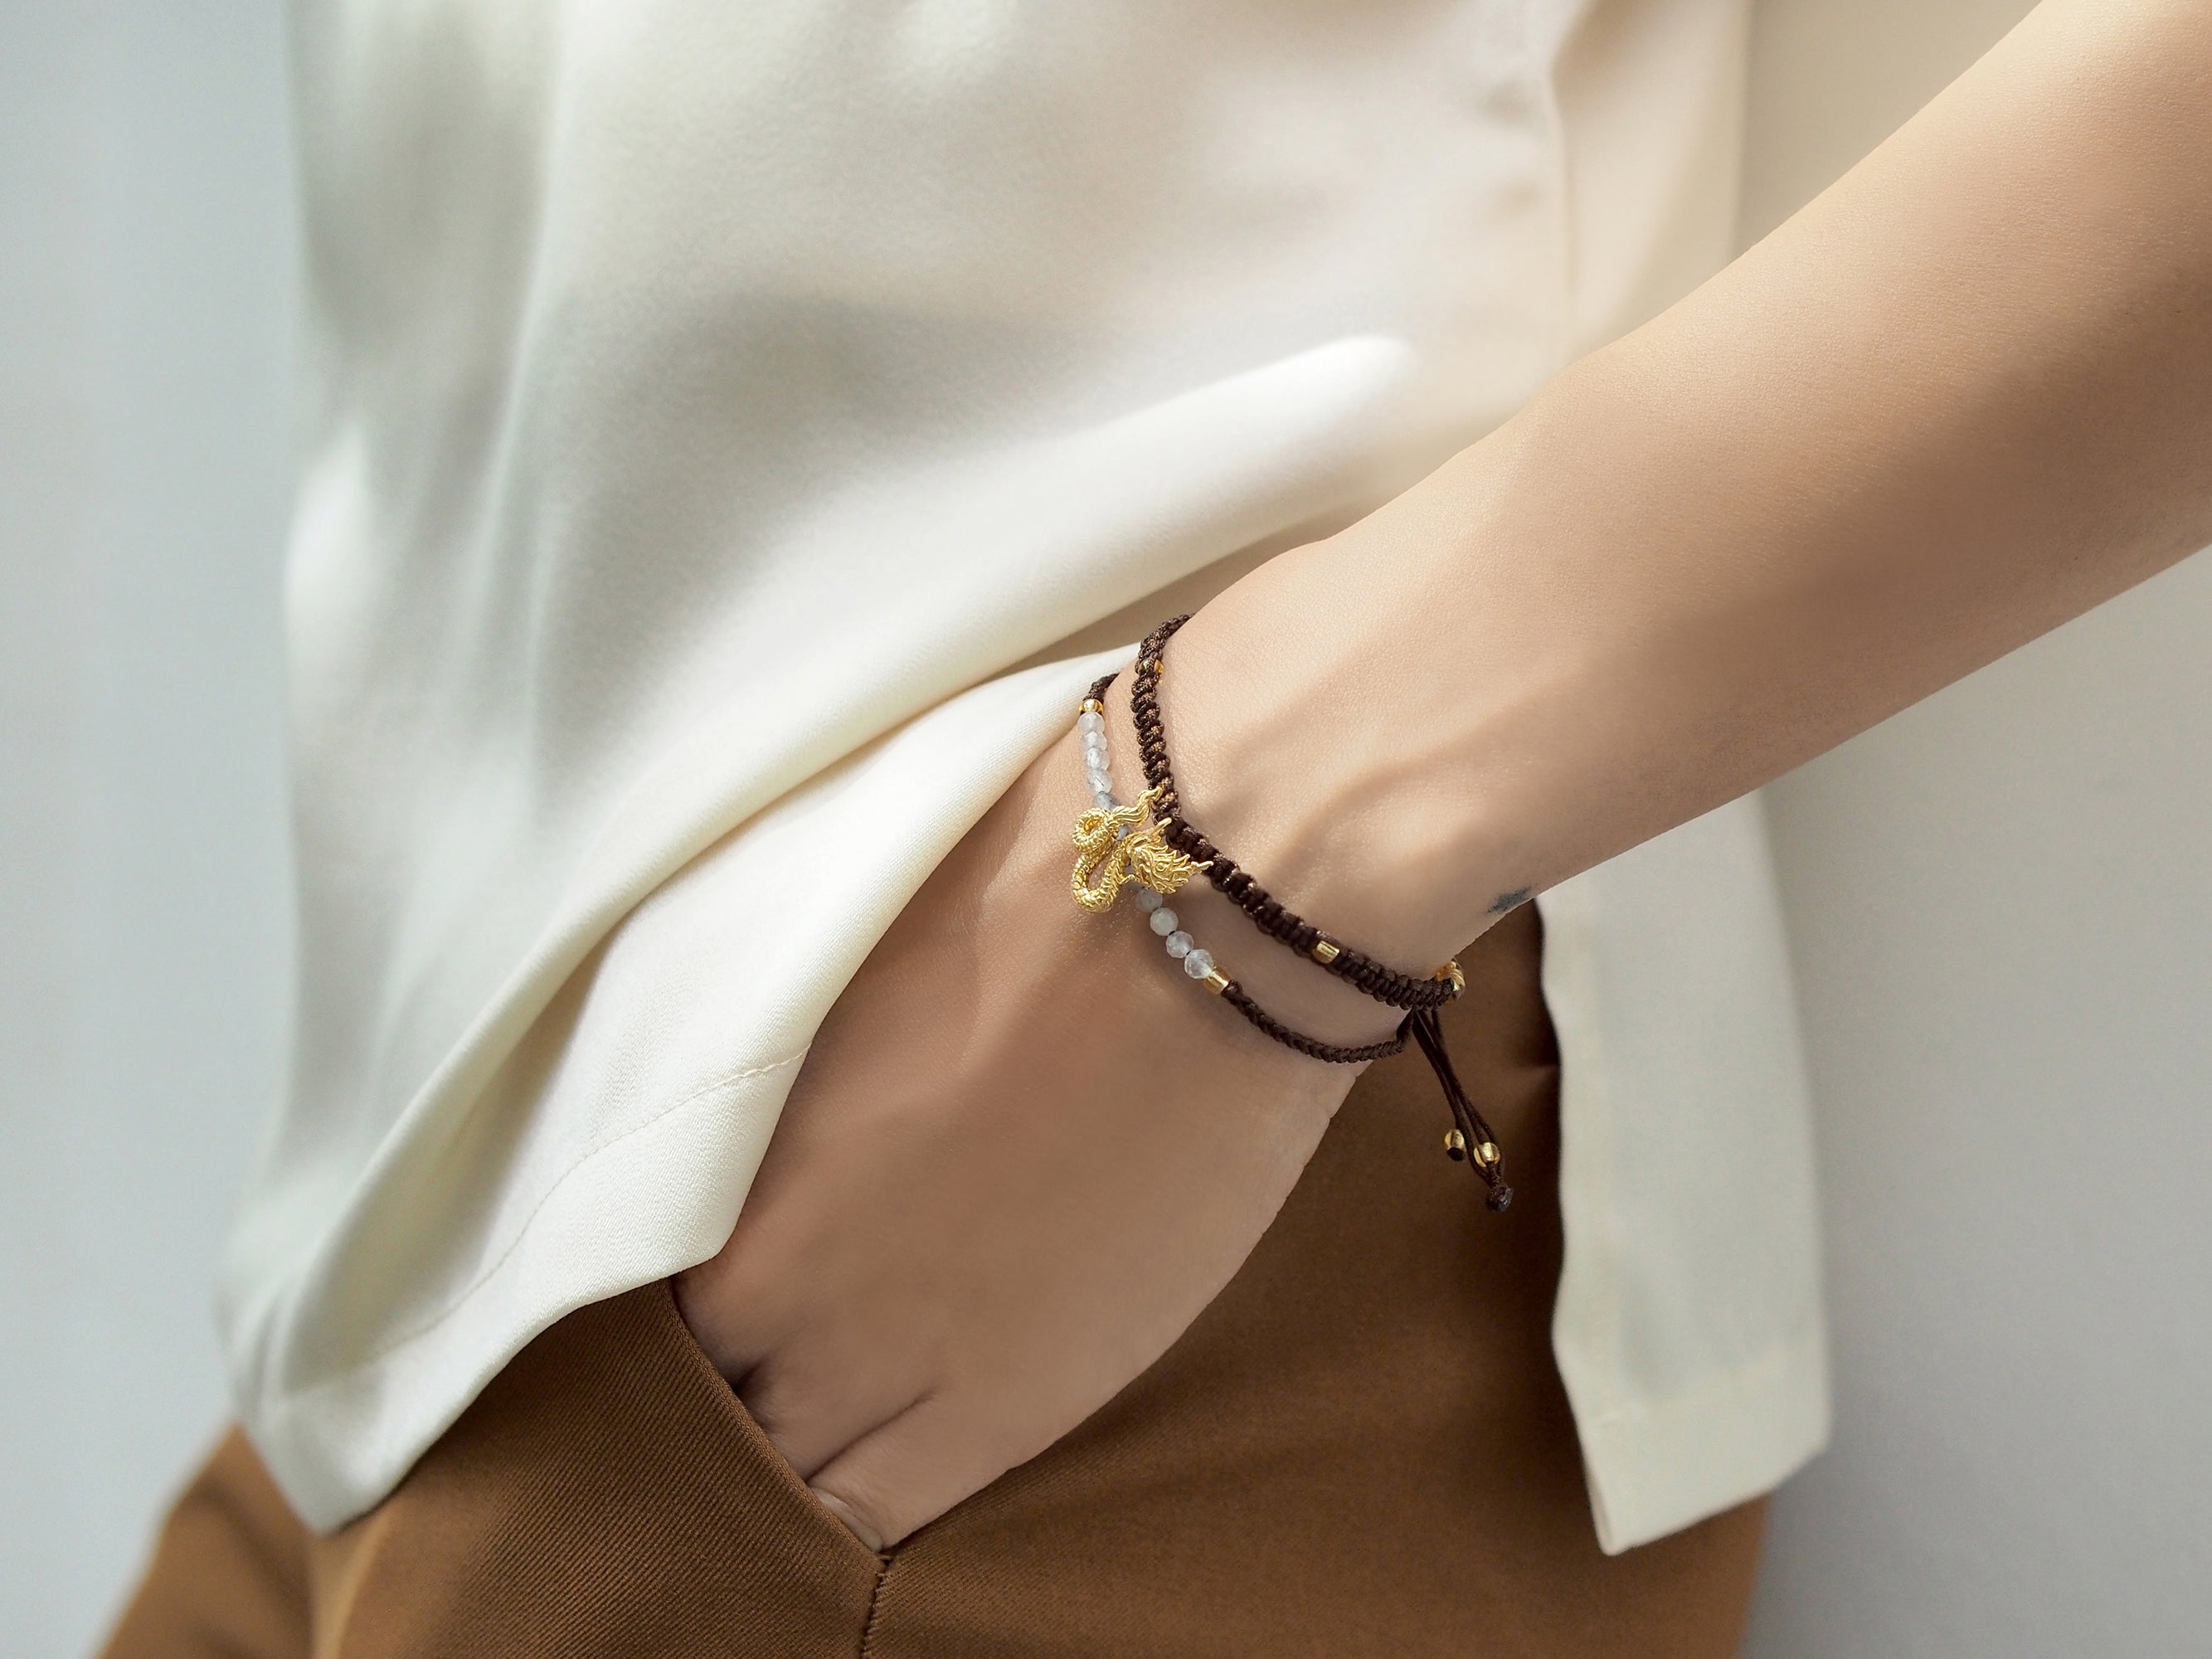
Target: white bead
(1099, 778)
(1094, 742)
(1164, 921)
(1147, 899)
(1179, 943)
(1104, 798)
(1199, 964)
(1090, 722)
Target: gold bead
(1454, 1144)
(1451, 971)
(1216, 982)
(1325, 952)
(1092, 706)
(1486, 1154)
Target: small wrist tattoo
(1512, 900)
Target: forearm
(1964, 396)
(1968, 394)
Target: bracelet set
(1146, 847)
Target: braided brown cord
(1472, 1138)
(1339, 1054)
(1267, 912)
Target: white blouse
(709, 406)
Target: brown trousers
(1362, 1448)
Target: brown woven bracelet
(1339, 1054)
(1267, 912)
(1471, 1138)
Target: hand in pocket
(1022, 1154)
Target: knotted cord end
(1470, 1140)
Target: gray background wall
(2000, 905)
(146, 296)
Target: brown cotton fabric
(1362, 1448)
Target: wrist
(1319, 738)
(1292, 989)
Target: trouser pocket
(607, 1493)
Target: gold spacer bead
(1325, 952)
(1486, 1154)
(1092, 706)
(1217, 981)
(1454, 1144)
(1451, 971)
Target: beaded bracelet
(1159, 858)
(1112, 852)
(1236, 883)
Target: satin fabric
(734, 434)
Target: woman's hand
(1024, 1151)
(1964, 395)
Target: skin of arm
(1964, 396)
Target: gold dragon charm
(1111, 852)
